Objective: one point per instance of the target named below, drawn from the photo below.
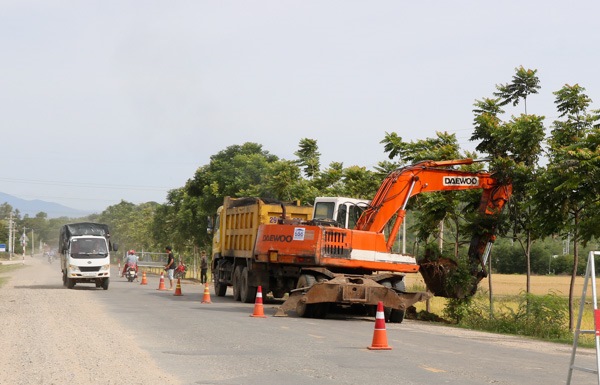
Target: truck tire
(320, 310)
(399, 285)
(105, 283)
(303, 309)
(397, 316)
(64, 278)
(70, 283)
(235, 282)
(247, 292)
(394, 315)
(220, 288)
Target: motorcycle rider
(131, 260)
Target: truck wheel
(400, 285)
(397, 316)
(305, 280)
(320, 310)
(220, 288)
(236, 281)
(70, 283)
(303, 309)
(105, 282)
(387, 311)
(64, 277)
(247, 292)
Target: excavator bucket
(444, 278)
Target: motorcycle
(130, 273)
(180, 271)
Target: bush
(457, 309)
(537, 316)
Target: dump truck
(319, 259)
(85, 254)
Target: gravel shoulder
(45, 342)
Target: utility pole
(24, 240)
(10, 237)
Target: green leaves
(525, 82)
(308, 157)
(443, 147)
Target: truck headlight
(74, 268)
(105, 267)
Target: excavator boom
(389, 207)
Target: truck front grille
(87, 269)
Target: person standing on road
(203, 267)
(170, 266)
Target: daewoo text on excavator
(337, 251)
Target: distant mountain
(33, 207)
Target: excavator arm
(389, 206)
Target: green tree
(309, 157)
(5, 211)
(231, 172)
(330, 181)
(525, 82)
(443, 147)
(360, 182)
(567, 191)
(130, 224)
(515, 147)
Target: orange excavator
(319, 261)
(389, 207)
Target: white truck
(85, 254)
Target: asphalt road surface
(135, 333)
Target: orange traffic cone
(144, 279)
(206, 298)
(178, 287)
(161, 283)
(379, 335)
(258, 305)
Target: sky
(110, 100)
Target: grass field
(508, 285)
(512, 284)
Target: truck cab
(85, 254)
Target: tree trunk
(441, 236)
(456, 241)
